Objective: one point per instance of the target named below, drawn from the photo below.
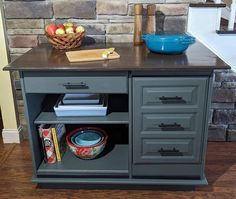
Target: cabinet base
(117, 186)
(116, 182)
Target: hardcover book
(59, 135)
(48, 143)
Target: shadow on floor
(220, 162)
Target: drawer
(168, 171)
(169, 93)
(75, 84)
(171, 122)
(167, 151)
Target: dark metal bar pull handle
(169, 100)
(80, 85)
(170, 152)
(171, 127)
(163, 98)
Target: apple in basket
(51, 29)
(69, 29)
(80, 29)
(61, 26)
(60, 31)
(68, 24)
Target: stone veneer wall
(111, 21)
(222, 120)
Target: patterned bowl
(87, 152)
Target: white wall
(202, 24)
(10, 130)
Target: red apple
(51, 29)
(61, 26)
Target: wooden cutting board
(89, 55)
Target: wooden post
(138, 11)
(151, 19)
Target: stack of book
(81, 105)
(53, 137)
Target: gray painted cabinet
(164, 126)
(157, 118)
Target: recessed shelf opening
(113, 161)
(117, 112)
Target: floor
(15, 176)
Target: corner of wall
(11, 132)
(12, 135)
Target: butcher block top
(132, 58)
(90, 55)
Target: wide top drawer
(75, 83)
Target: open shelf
(113, 163)
(111, 118)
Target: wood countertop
(133, 58)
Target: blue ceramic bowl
(168, 43)
(90, 137)
(86, 138)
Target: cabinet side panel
(130, 126)
(32, 105)
(205, 125)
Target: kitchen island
(157, 120)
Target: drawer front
(167, 151)
(168, 171)
(175, 122)
(76, 84)
(169, 93)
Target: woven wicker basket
(66, 41)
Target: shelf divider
(111, 118)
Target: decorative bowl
(168, 43)
(87, 152)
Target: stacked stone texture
(223, 108)
(110, 21)
(104, 20)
